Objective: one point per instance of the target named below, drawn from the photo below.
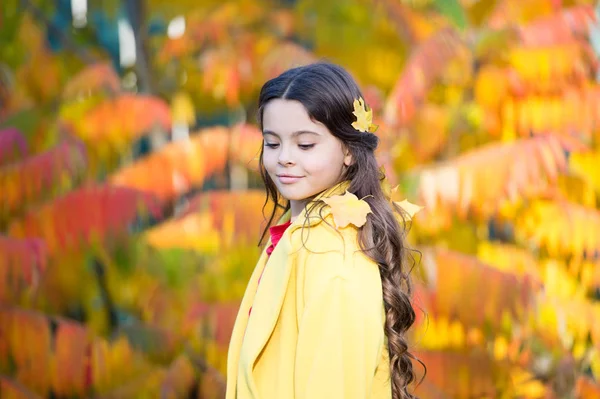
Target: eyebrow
(296, 133)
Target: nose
(285, 158)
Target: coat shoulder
(324, 237)
(323, 252)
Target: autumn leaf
(94, 78)
(182, 108)
(348, 209)
(392, 194)
(408, 207)
(425, 65)
(364, 118)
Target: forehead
(287, 116)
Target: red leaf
(12, 389)
(168, 172)
(246, 141)
(219, 316)
(70, 359)
(462, 374)
(123, 119)
(26, 339)
(563, 27)
(21, 265)
(479, 180)
(216, 142)
(29, 180)
(88, 213)
(456, 278)
(13, 145)
(424, 66)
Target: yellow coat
(317, 324)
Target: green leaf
(453, 11)
(25, 120)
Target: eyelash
(302, 146)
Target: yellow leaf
(456, 334)
(595, 364)
(526, 385)
(348, 209)
(500, 348)
(364, 118)
(182, 108)
(408, 207)
(579, 349)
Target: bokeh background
(131, 209)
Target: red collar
(276, 234)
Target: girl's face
(301, 156)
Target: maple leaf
(348, 209)
(394, 193)
(408, 207)
(364, 118)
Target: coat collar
(268, 300)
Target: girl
(326, 310)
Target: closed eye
(306, 146)
(271, 145)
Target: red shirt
(276, 234)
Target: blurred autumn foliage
(130, 206)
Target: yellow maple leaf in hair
(348, 209)
(364, 118)
(409, 208)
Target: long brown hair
(327, 92)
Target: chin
(294, 192)
(291, 194)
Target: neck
(296, 208)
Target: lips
(288, 179)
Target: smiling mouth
(288, 179)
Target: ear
(347, 157)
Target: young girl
(328, 305)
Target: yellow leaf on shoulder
(408, 207)
(348, 209)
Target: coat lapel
(239, 329)
(269, 299)
(238, 335)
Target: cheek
(323, 164)
(269, 159)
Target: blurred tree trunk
(136, 11)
